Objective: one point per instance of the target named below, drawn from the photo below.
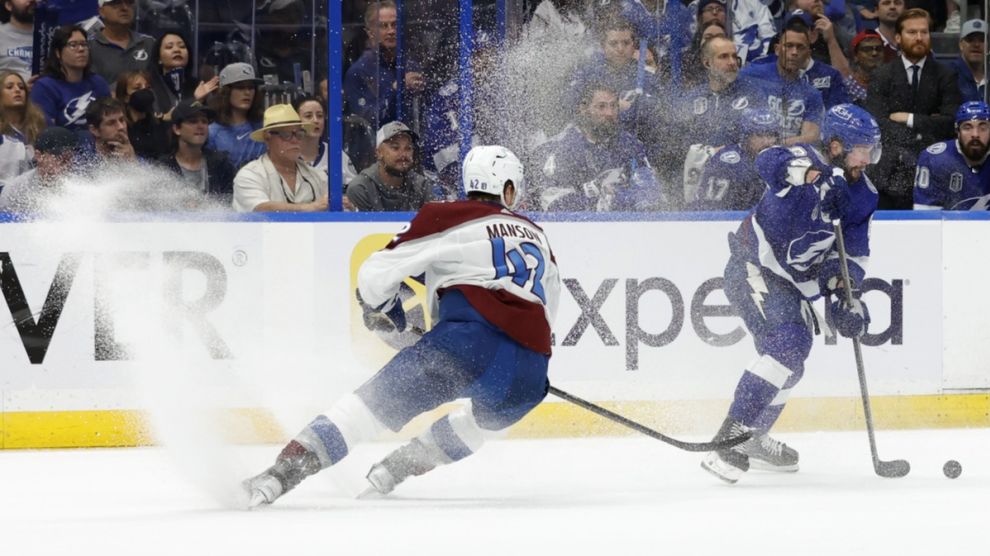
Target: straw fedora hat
(279, 115)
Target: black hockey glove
(850, 320)
(386, 317)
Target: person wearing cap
(371, 85)
(117, 47)
(866, 52)
(239, 111)
(54, 153)
(17, 37)
(782, 87)
(954, 174)
(969, 65)
(913, 99)
(280, 181)
(391, 184)
(205, 169)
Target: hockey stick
(615, 417)
(889, 469)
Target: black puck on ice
(952, 469)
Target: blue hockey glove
(850, 320)
(835, 199)
(386, 317)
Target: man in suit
(913, 99)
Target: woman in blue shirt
(67, 86)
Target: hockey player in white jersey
(492, 285)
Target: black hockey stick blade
(892, 469)
(612, 416)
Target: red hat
(861, 36)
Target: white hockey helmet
(487, 168)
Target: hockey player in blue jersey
(730, 180)
(784, 257)
(492, 286)
(954, 174)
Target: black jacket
(220, 174)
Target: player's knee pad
(789, 344)
(456, 435)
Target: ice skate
(407, 461)
(294, 464)
(769, 454)
(729, 464)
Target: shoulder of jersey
(938, 148)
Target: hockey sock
(757, 389)
(348, 422)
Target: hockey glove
(850, 320)
(835, 199)
(386, 317)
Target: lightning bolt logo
(758, 286)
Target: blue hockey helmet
(972, 110)
(758, 121)
(853, 127)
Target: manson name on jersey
(512, 230)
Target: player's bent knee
(789, 344)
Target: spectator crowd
(663, 106)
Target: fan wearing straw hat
(279, 181)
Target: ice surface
(592, 496)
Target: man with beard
(914, 99)
(280, 180)
(107, 120)
(783, 258)
(117, 48)
(730, 181)
(594, 165)
(710, 111)
(16, 36)
(391, 184)
(783, 88)
(867, 55)
(954, 175)
(969, 64)
(888, 12)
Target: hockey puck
(952, 469)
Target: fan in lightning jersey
(954, 175)
(492, 280)
(730, 180)
(783, 257)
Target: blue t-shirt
(794, 102)
(64, 104)
(236, 142)
(944, 179)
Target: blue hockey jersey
(712, 118)
(943, 179)
(576, 174)
(729, 182)
(790, 232)
(794, 102)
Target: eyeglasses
(298, 134)
(870, 49)
(77, 45)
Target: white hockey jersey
(501, 261)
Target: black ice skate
(293, 464)
(729, 464)
(770, 454)
(410, 460)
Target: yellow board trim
(90, 429)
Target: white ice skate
(262, 489)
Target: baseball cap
(189, 108)
(704, 3)
(801, 15)
(973, 26)
(861, 36)
(56, 140)
(237, 73)
(392, 129)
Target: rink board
(126, 324)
